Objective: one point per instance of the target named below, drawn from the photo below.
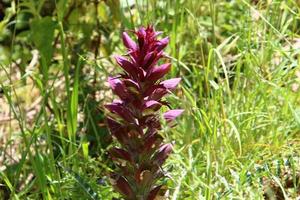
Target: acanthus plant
(133, 119)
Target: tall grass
(238, 137)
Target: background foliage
(239, 60)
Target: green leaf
(42, 35)
(61, 9)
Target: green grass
(237, 139)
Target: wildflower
(133, 119)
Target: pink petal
(158, 72)
(171, 83)
(128, 42)
(172, 114)
(152, 105)
(162, 43)
(141, 33)
(126, 65)
(118, 87)
(157, 33)
(163, 152)
(149, 58)
(158, 93)
(119, 109)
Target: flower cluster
(133, 119)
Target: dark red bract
(133, 119)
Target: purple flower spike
(133, 119)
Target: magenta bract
(134, 120)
